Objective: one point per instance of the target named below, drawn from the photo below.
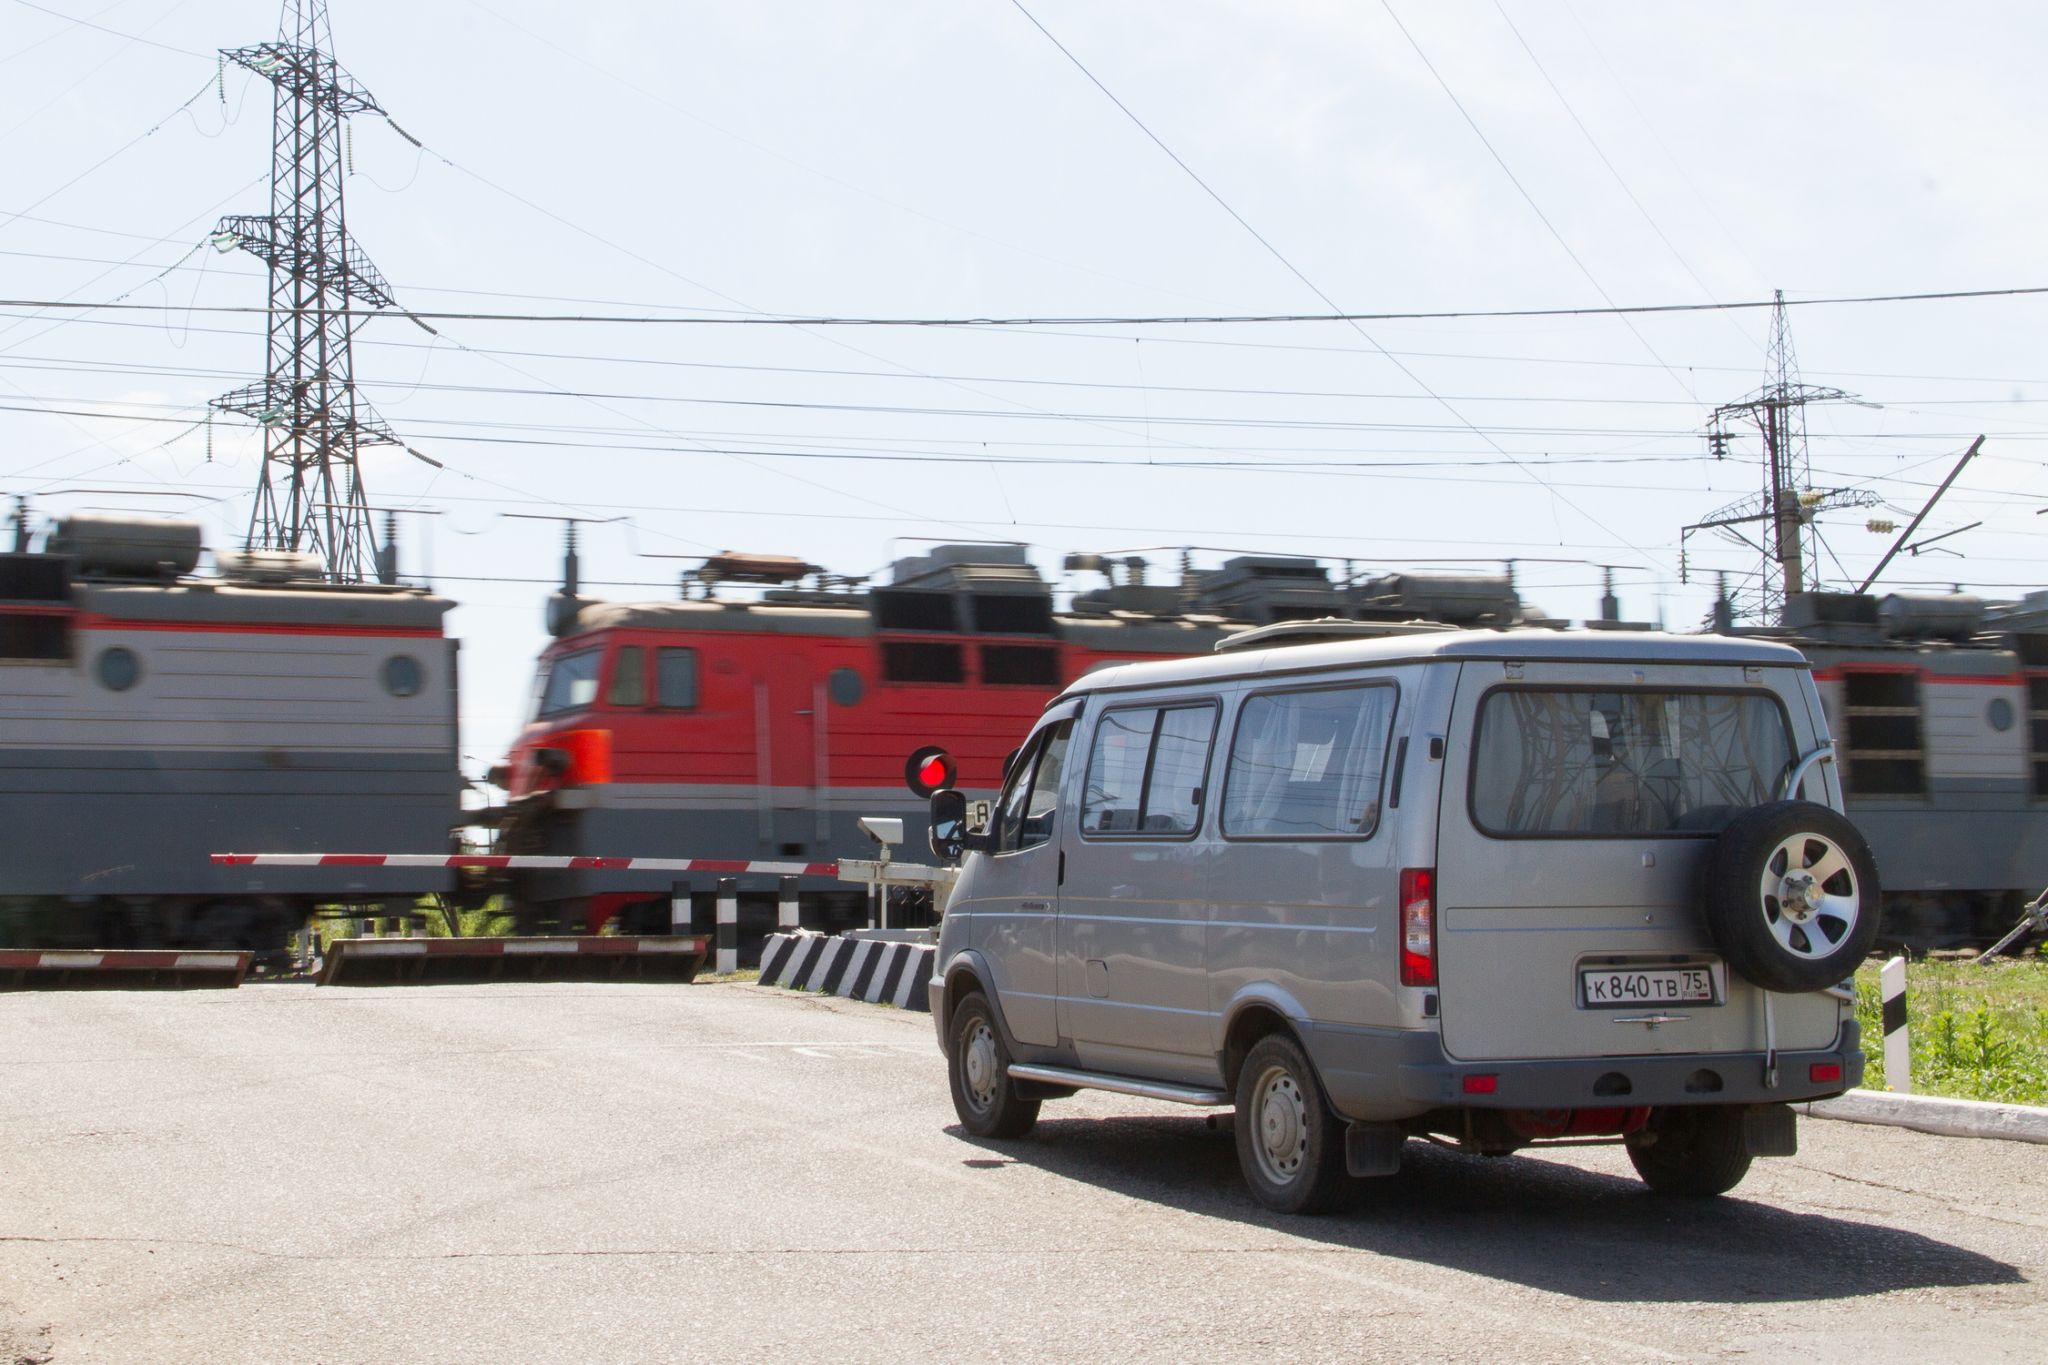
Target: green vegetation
(1978, 1033)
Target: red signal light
(930, 769)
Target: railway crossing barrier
(121, 969)
(677, 956)
(2033, 923)
(417, 961)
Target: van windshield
(1564, 763)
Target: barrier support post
(728, 924)
(1898, 1048)
(679, 908)
(786, 906)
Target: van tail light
(1418, 926)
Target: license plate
(1615, 987)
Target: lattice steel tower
(1787, 505)
(309, 495)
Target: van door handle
(1061, 880)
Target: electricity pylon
(309, 494)
(1787, 505)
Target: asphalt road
(722, 1172)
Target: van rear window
(1559, 763)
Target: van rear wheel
(1698, 1151)
(1289, 1146)
(978, 1071)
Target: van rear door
(1579, 804)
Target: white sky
(944, 159)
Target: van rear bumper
(1377, 1075)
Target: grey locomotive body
(155, 716)
(1939, 708)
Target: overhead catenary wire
(102, 28)
(1527, 197)
(709, 318)
(1475, 357)
(139, 369)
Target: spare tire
(1791, 896)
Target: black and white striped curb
(870, 969)
(1936, 1114)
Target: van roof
(1651, 647)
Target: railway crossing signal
(930, 769)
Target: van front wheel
(1289, 1146)
(1697, 1150)
(978, 1069)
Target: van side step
(1122, 1085)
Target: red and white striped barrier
(523, 862)
(32, 968)
(403, 960)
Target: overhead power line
(1099, 320)
(113, 32)
(1474, 357)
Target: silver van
(1493, 888)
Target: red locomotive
(761, 723)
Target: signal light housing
(930, 769)
(1418, 926)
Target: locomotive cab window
(629, 677)
(1881, 739)
(2037, 728)
(922, 661)
(1020, 665)
(675, 680)
(35, 607)
(570, 682)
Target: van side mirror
(949, 833)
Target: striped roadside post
(728, 924)
(679, 908)
(785, 906)
(1898, 1051)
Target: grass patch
(1978, 1033)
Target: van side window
(1145, 771)
(629, 677)
(1307, 765)
(1030, 804)
(1623, 764)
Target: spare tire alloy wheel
(1792, 896)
